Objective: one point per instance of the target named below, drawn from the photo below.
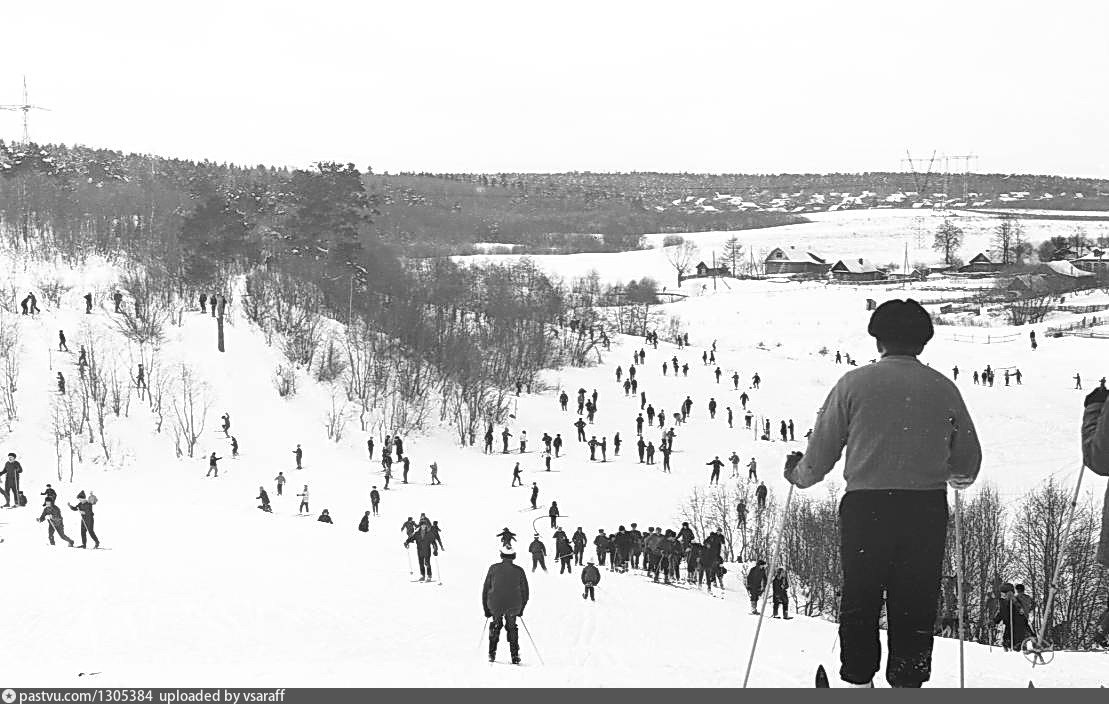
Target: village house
(979, 263)
(792, 261)
(1094, 261)
(704, 270)
(856, 270)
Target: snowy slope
(199, 588)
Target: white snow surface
(200, 588)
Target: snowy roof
(855, 266)
(1090, 257)
(779, 254)
(1067, 269)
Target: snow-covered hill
(200, 588)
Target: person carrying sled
(908, 436)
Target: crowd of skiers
(14, 497)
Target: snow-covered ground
(200, 588)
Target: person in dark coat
(553, 513)
(212, 466)
(1012, 615)
(716, 464)
(84, 507)
(364, 524)
(117, 297)
(375, 500)
(590, 577)
(1095, 454)
(53, 517)
(538, 552)
(504, 596)
(424, 537)
(325, 517)
(756, 584)
(262, 496)
(50, 495)
(298, 454)
(580, 541)
(564, 552)
(602, 543)
(534, 494)
(780, 587)
(88, 303)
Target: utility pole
(25, 107)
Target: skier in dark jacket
(50, 495)
(553, 513)
(1012, 615)
(760, 495)
(409, 527)
(262, 496)
(364, 524)
(53, 517)
(590, 577)
(901, 457)
(580, 541)
(325, 517)
(756, 584)
(375, 500)
(423, 539)
(506, 537)
(685, 535)
(504, 596)
(212, 466)
(601, 542)
(780, 586)
(84, 508)
(564, 552)
(716, 464)
(298, 454)
(538, 552)
(534, 494)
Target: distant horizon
(710, 87)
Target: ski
(821, 678)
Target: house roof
(791, 254)
(980, 258)
(1089, 257)
(1068, 269)
(855, 266)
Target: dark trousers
(891, 541)
(279, 489)
(601, 556)
(579, 554)
(589, 593)
(508, 622)
(52, 528)
(86, 529)
(538, 561)
(424, 558)
(565, 560)
(783, 600)
(372, 506)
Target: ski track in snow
(202, 589)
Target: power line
(25, 107)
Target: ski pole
(532, 641)
(438, 570)
(484, 627)
(408, 554)
(1058, 564)
(959, 578)
(766, 592)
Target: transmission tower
(25, 107)
(967, 158)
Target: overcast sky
(470, 85)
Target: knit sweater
(903, 424)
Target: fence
(987, 339)
(1082, 310)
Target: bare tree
(681, 257)
(336, 417)
(9, 366)
(190, 408)
(948, 239)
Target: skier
(364, 524)
(505, 535)
(303, 501)
(685, 535)
(563, 399)
(756, 380)
(1077, 381)
(783, 431)
(557, 443)
(756, 584)
(636, 537)
(523, 441)
(593, 448)
(734, 459)
(406, 464)
(579, 541)
(12, 470)
(61, 384)
(117, 297)
(82, 361)
(590, 577)
(62, 347)
(516, 481)
(955, 373)
(488, 441)
(234, 447)
(212, 466)
(752, 470)
(84, 509)
(503, 598)
(375, 499)
(616, 444)
(435, 474)
(226, 424)
(789, 426)
(538, 552)
(553, 513)
(53, 517)
(781, 596)
(388, 476)
(580, 425)
(203, 303)
(370, 447)
(325, 517)
(534, 494)
(601, 542)
(893, 517)
(298, 453)
(744, 398)
(619, 373)
(546, 462)
(716, 464)
(1015, 619)
(424, 537)
(712, 408)
(640, 445)
(639, 424)
(666, 450)
(650, 453)
(280, 479)
(88, 303)
(729, 409)
(263, 497)
(760, 495)
(50, 495)
(741, 514)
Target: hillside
(199, 588)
